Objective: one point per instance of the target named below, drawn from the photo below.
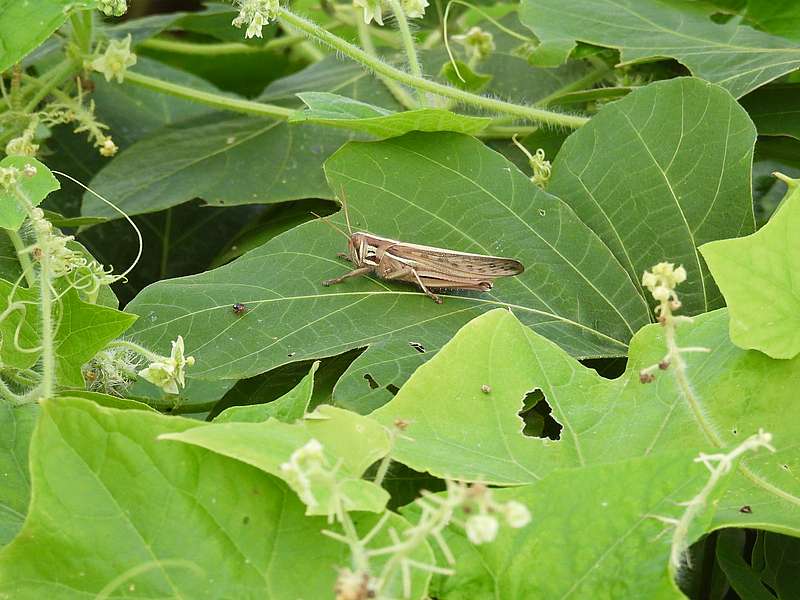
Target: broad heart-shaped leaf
(337, 111)
(442, 189)
(23, 27)
(350, 443)
(33, 189)
(759, 275)
(775, 109)
(16, 428)
(116, 509)
(288, 408)
(594, 534)
(82, 329)
(658, 173)
(463, 432)
(736, 57)
(228, 160)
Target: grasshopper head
(359, 249)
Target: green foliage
(240, 430)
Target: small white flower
(256, 14)
(169, 374)
(29, 171)
(108, 147)
(661, 293)
(517, 514)
(415, 9)
(372, 10)
(481, 529)
(9, 176)
(477, 41)
(115, 60)
(112, 8)
(21, 146)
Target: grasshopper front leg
(354, 273)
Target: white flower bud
(517, 514)
(481, 529)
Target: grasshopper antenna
(334, 227)
(346, 212)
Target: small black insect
(239, 309)
(746, 509)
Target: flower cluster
(541, 168)
(661, 281)
(169, 372)
(478, 43)
(112, 8)
(482, 523)
(373, 9)
(255, 14)
(53, 247)
(9, 177)
(23, 145)
(73, 110)
(111, 371)
(114, 62)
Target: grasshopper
(426, 266)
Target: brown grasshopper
(426, 266)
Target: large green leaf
(781, 17)
(758, 275)
(734, 56)
(23, 27)
(775, 109)
(337, 111)
(742, 577)
(464, 432)
(572, 291)
(660, 172)
(115, 509)
(594, 534)
(350, 443)
(16, 428)
(32, 189)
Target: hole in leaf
(536, 413)
(417, 346)
(392, 389)
(608, 368)
(785, 467)
(373, 385)
(541, 212)
(734, 431)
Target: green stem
(48, 349)
(82, 30)
(597, 74)
(54, 78)
(489, 104)
(24, 259)
(507, 131)
(222, 49)
(398, 91)
(210, 99)
(408, 43)
(140, 350)
(360, 559)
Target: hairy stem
(380, 67)
(408, 44)
(24, 259)
(210, 99)
(134, 347)
(398, 91)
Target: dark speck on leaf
(373, 385)
(245, 520)
(417, 346)
(746, 509)
(392, 389)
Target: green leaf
(350, 442)
(82, 330)
(743, 579)
(573, 290)
(607, 515)
(758, 277)
(10, 268)
(16, 428)
(116, 509)
(470, 434)
(23, 27)
(338, 111)
(288, 408)
(660, 172)
(734, 56)
(781, 17)
(468, 80)
(781, 557)
(775, 109)
(33, 190)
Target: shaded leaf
(775, 109)
(350, 443)
(684, 179)
(758, 277)
(742, 577)
(288, 408)
(781, 17)
(734, 56)
(114, 509)
(338, 111)
(470, 434)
